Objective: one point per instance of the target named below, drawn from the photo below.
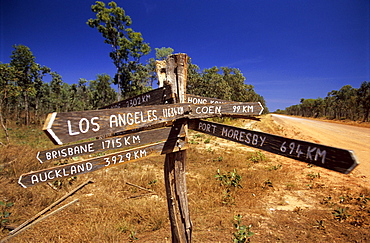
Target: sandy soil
(332, 134)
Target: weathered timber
(153, 97)
(174, 166)
(112, 143)
(68, 127)
(336, 159)
(90, 165)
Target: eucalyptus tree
(80, 96)
(223, 83)
(30, 78)
(101, 92)
(127, 45)
(8, 93)
(363, 96)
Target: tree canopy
(127, 45)
(223, 83)
(345, 103)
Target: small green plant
(243, 232)
(320, 224)
(4, 214)
(208, 140)
(230, 181)
(197, 136)
(192, 141)
(152, 182)
(274, 167)
(132, 236)
(341, 214)
(257, 157)
(219, 159)
(267, 183)
(362, 200)
(313, 175)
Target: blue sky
(287, 49)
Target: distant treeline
(346, 103)
(25, 96)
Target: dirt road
(332, 134)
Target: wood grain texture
(90, 165)
(75, 126)
(111, 143)
(331, 158)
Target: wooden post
(175, 163)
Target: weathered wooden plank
(74, 126)
(153, 97)
(86, 166)
(117, 142)
(336, 159)
(175, 163)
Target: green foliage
(230, 181)
(257, 157)
(4, 214)
(341, 214)
(346, 103)
(132, 236)
(267, 183)
(243, 232)
(275, 167)
(223, 83)
(127, 45)
(25, 98)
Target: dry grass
(283, 200)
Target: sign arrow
(69, 127)
(116, 142)
(336, 159)
(82, 167)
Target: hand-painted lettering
(208, 109)
(312, 153)
(138, 100)
(241, 136)
(211, 128)
(173, 111)
(53, 174)
(138, 117)
(120, 158)
(84, 126)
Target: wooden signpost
(111, 143)
(336, 159)
(90, 165)
(171, 107)
(75, 126)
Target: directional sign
(77, 168)
(336, 159)
(153, 97)
(74, 126)
(117, 142)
